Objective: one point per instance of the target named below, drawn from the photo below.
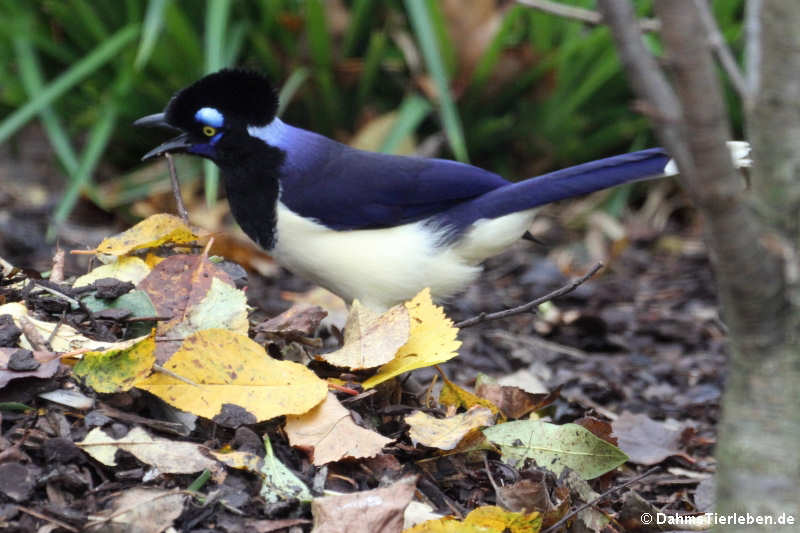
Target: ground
(640, 346)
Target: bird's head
(213, 114)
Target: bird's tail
(589, 177)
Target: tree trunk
(752, 236)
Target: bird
(372, 227)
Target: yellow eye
(208, 131)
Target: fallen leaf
(514, 402)
(329, 434)
(130, 269)
(600, 428)
(371, 339)
(646, 441)
(168, 456)
(141, 510)
(432, 340)
(117, 370)
(47, 367)
(300, 320)
(456, 396)
(280, 483)
(228, 368)
(66, 339)
(446, 433)
(366, 511)
(554, 447)
(222, 307)
(151, 232)
(592, 519)
(189, 278)
(486, 519)
(335, 306)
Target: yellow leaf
(151, 232)
(370, 339)
(446, 433)
(130, 269)
(228, 368)
(486, 519)
(432, 340)
(117, 370)
(454, 395)
(329, 433)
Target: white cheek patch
(210, 116)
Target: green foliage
(541, 92)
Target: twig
(170, 373)
(46, 518)
(580, 508)
(53, 333)
(752, 25)
(35, 338)
(721, 50)
(566, 289)
(649, 83)
(584, 15)
(176, 189)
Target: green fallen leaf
(117, 370)
(279, 482)
(137, 302)
(554, 447)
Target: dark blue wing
(344, 188)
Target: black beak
(178, 144)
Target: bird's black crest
(236, 93)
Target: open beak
(180, 143)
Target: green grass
(86, 70)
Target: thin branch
(600, 498)
(160, 369)
(46, 518)
(584, 15)
(721, 50)
(648, 81)
(752, 31)
(176, 189)
(566, 289)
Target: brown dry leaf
(47, 366)
(228, 368)
(175, 286)
(364, 512)
(432, 340)
(446, 433)
(335, 306)
(168, 456)
(141, 510)
(151, 232)
(645, 441)
(514, 402)
(297, 323)
(179, 282)
(599, 428)
(328, 434)
(370, 339)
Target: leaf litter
(332, 441)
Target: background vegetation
(499, 84)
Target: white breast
(382, 267)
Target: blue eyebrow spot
(210, 116)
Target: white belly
(382, 267)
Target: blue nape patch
(209, 116)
